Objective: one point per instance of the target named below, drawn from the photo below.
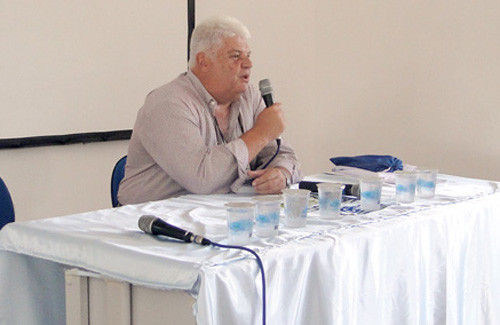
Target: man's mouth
(245, 77)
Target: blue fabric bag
(374, 163)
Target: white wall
(59, 180)
(420, 81)
(84, 66)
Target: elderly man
(208, 130)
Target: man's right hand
(271, 122)
(269, 125)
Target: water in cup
(426, 183)
(296, 206)
(240, 219)
(267, 215)
(330, 198)
(406, 182)
(371, 192)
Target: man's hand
(269, 125)
(268, 181)
(271, 122)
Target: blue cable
(261, 266)
(155, 226)
(278, 142)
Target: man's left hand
(268, 181)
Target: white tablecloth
(430, 262)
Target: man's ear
(202, 60)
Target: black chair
(6, 205)
(116, 177)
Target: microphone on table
(155, 226)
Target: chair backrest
(6, 205)
(116, 177)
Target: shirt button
(212, 103)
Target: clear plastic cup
(267, 215)
(296, 206)
(330, 199)
(240, 219)
(371, 192)
(406, 182)
(426, 183)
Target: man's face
(230, 67)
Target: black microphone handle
(268, 99)
(160, 227)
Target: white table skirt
(430, 262)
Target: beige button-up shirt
(176, 148)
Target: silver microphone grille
(146, 222)
(265, 87)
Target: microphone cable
(155, 226)
(261, 266)
(278, 142)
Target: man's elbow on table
(210, 183)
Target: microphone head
(265, 87)
(146, 223)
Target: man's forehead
(236, 50)
(235, 43)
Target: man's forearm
(255, 142)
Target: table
(429, 262)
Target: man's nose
(247, 63)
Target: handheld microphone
(155, 226)
(266, 91)
(267, 94)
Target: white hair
(211, 33)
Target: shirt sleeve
(285, 158)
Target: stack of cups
(240, 218)
(296, 205)
(330, 198)
(426, 183)
(406, 182)
(267, 215)
(371, 192)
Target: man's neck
(222, 114)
